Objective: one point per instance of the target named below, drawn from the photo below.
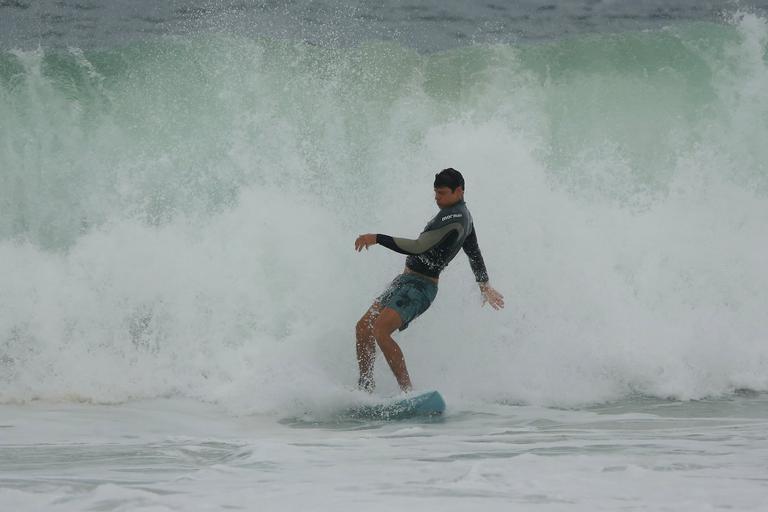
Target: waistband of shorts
(417, 277)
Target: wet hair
(450, 178)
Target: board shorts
(410, 295)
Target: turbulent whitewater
(177, 216)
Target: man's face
(445, 197)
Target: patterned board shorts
(410, 295)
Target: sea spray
(177, 217)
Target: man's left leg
(386, 323)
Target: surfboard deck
(426, 404)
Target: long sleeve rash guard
(450, 230)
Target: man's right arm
(426, 241)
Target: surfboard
(426, 404)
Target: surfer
(412, 292)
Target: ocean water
(181, 185)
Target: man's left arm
(472, 250)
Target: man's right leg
(366, 347)
(388, 321)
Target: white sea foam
(183, 455)
(185, 226)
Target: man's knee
(363, 326)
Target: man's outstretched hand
(365, 241)
(491, 296)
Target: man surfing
(412, 292)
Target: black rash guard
(438, 244)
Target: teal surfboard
(426, 404)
